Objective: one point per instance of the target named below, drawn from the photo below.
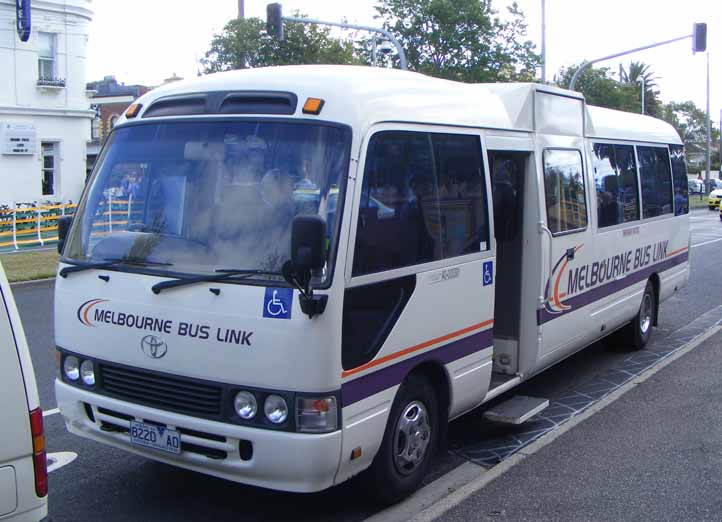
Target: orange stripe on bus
(416, 348)
(677, 251)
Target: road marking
(707, 242)
(60, 459)
(48, 413)
(435, 499)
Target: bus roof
(361, 96)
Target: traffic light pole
(384, 32)
(585, 65)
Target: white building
(44, 109)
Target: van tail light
(40, 462)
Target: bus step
(516, 410)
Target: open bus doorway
(508, 186)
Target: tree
(461, 40)
(600, 88)
(691, 124)
(633, 76)
(244, 44)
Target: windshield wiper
(108, 262)
(221, 274)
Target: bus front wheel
(639, 329)
(409, 442)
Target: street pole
(544, 42)
(386, 34)
(241, 10)
(590, 62)
(709, 133)
(642, 94)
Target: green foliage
(244, 44)
(600, 88)
(633, 76)
(461, 40)
(691, 124)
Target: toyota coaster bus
(286, 276)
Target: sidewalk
(654, 454)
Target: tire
(397, 471)
(639, 330)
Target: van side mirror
(308, 253)
(308, 238)
(63, 228)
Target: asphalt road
(108, 484)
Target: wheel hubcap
(411, 438)
(645, 314)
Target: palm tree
(633, 76)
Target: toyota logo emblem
(154, 347)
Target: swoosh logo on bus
(84, 311)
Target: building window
(95, 129)
(46, 56)
(49, 152)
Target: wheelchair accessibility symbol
(488, 272)
(278, 303)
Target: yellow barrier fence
(34, 224)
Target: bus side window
(564, 190)
(423, 199)
(615, 178)
(656, 178)
(679, 174)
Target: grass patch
(696, 202)
(26, 266)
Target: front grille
(160, 391)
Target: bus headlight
(276, 409)
(316, 415)
(71, 368)
(245, 405)
(87, 373)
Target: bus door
(566, 248)
(513, 189)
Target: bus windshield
(202, 196)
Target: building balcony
(51, 83)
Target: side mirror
(63, 228)
(308, 238)
(308, 253)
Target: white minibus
(23, 466)
(287, 276)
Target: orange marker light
(356, 453)
(133, 110)
(313, 106)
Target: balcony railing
(57, 83)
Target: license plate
(155, 437)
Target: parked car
(695, 186)
(23, 468)
(714, 199)
(714, 184)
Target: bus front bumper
(280, 460)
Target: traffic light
(274, 21)
(699, 38)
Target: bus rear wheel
(639, 330)
(409, 442)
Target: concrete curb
(32, 282)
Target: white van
(23, 469)
(287, 276)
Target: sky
(146, 41)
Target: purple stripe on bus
(615, 286)
(375, 382)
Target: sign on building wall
(18, 138)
